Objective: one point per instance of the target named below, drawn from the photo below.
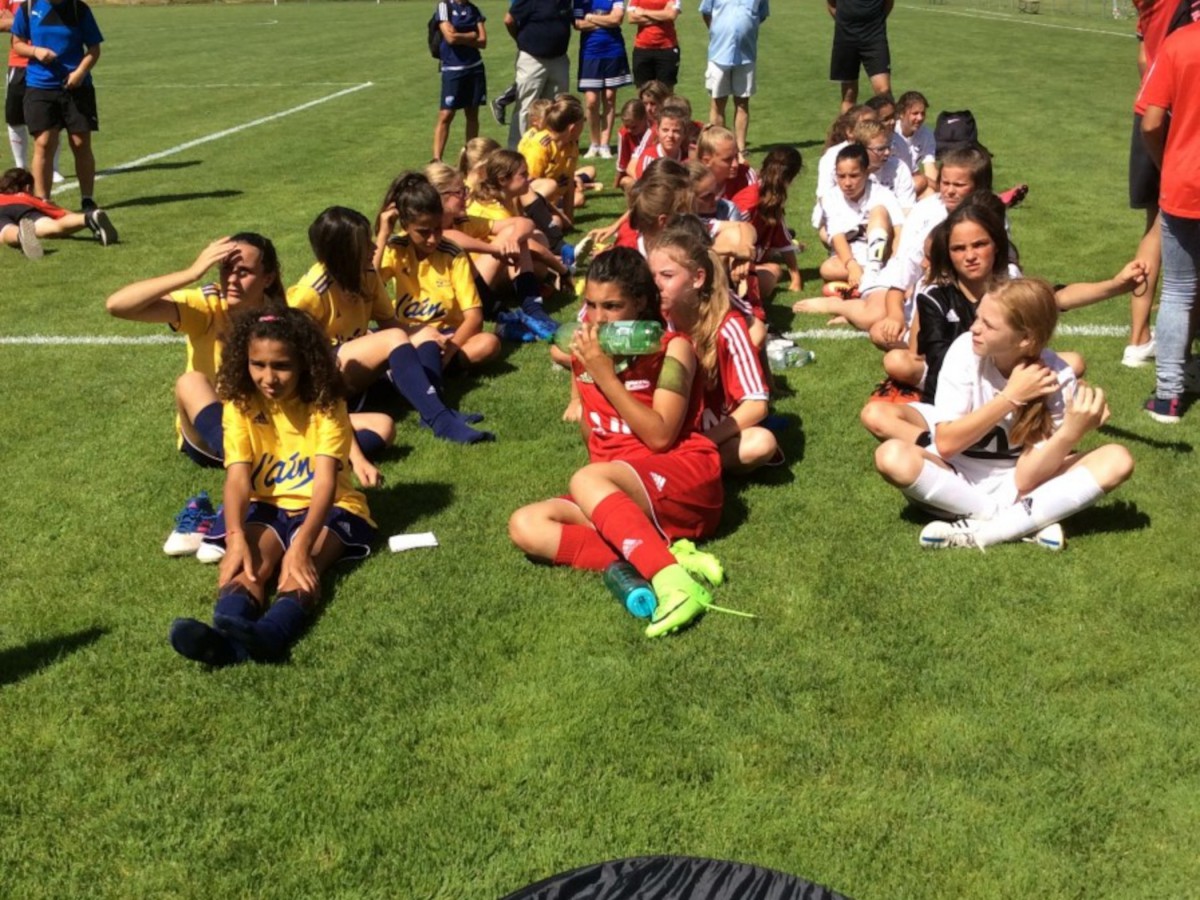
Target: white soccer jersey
(968, 381)
(842, 215)
(827, 169)
(895, 176)
(919, 149)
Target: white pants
(536, 78)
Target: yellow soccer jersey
(492, 210)
(436, 290)
(478, 227)
(281, 441)
(204, 321)
(340, 314)
(566, 160)
(539, 150)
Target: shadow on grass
(1122, 515)
(18, 663)
(152, 167)
(399, 506)
(1115, 431)
(162, 199)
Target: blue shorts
(598, 74)
(355, 532)
(464, 89)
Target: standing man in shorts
(732, 55)
(61, 40)
(860, 39)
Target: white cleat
(940, 535)
(1051, 537)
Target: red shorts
(685, 490)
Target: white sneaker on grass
(1051, 537)
(31, 244)
(210, 553)
(192, 523)
(940, 535)
(1138, 355)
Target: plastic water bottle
(631, 589)
(628, 338)
(784, 354)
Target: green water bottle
(631, 589)
(627, 338)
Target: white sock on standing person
(1053, 501)
(18, 140)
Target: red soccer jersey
(609, 436)
(626, 146)
(14, 61)
(53, 210)
(1170, 85)
(656, 35)
(739, 369)
(742, 190)
(652, 151)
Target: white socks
(1054, 501)
(18, 139)
(876, 244)
(944, 490)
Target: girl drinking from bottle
(290, 511)
(652, 479)
(344, 293)
(695, 297)
(1008, 415)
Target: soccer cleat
(940, 535)
(1167, 412)
(204, 644)
(500, 103)
(583, 250)
(1138, 355)
(192, 523)
(567, 254)
(697, 563)
(101, 226)
(542, 327)
(892, 391)
(87, 204)
(680, 600)
(1051, 537)
(209, 553)
(31, 245)
(1014, 195)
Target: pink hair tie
(268, 318)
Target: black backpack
(955, 130)
(435, 36)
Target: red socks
(582, 548)
(622, 524)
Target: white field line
(1022, 20)
(154, 85)
(217, 135)
(815, 334)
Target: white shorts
(725, 81)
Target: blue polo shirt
(463, 18)
(68, 28)
(600, 43)
(733, 34)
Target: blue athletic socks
(208, 426)
(411, 380)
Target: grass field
(461, 722)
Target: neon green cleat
(680, 600)
(698, 563)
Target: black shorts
(851, 51)
(655, 65)
(14, 97)
(1144, 176)
(13, 213)
(57, 109)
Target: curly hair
(320, 383)
(627, 269)
(341, 239)
(686, 240)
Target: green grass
(461, 722)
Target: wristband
(1016, 404)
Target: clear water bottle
(784, 354)
(630, 588)
(628, 338)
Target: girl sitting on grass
(694, 293)
(652, 478)
(1000, 456)
(436, 297)
(344, 293)
(290, 510)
